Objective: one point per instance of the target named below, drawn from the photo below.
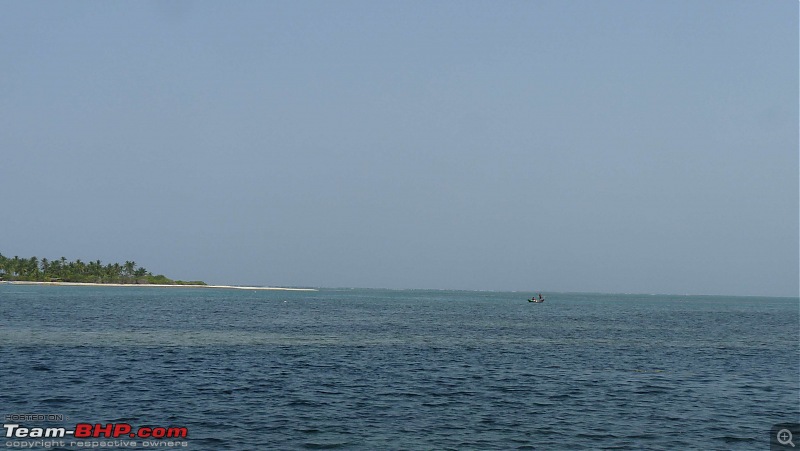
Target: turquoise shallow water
(413, 369)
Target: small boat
(537, 301)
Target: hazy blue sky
(613, 146)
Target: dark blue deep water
(379, 369)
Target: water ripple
(411, 370)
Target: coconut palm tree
(31, 269)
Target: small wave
(57, 400)
(729, 439)
(405, 394)
(437, 404)
(305, 403)
(125, 420)
(312, 445)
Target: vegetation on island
(44, 270)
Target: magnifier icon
(785, 437)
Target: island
(33, 269)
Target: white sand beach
(232, 287)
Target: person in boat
(540, 297)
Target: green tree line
(43, 270)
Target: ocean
(368, 369)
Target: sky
(615, 146)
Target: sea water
(410, 369)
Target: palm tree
(80, 267)
(32, 268)
(129, 269)
(15, 264)
(95, 271)
(55, 269)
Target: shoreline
(154, 285)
